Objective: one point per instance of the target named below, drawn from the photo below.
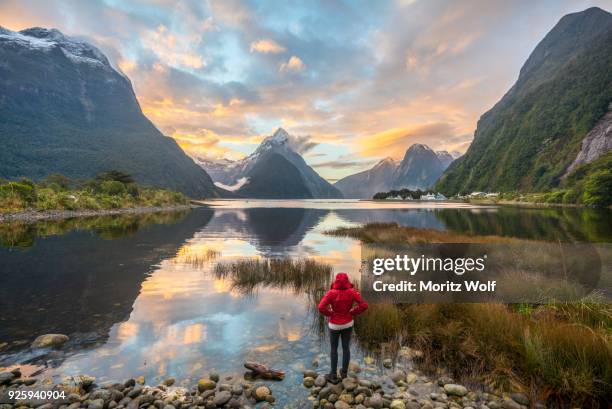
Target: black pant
(334, 335)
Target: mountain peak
(418, 147)
(47, 39)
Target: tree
(115, 175)
(598, 189)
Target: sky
(352, 81)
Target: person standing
(340, 304)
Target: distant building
(428, 196)
(440, 196)
(477, 194)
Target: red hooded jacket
(339, 302)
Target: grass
(300, 275)
(556, 353)
(99, 194)
(392, 233)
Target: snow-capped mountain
(419, 169)
(227, 173)
(68, 105)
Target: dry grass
(557, 353)
(392, 233)
(300, 276)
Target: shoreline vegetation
(56, 197)
(555, 352)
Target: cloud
(293, 64)
(302, 144)
(173, 49)
(342, 165)
(267, 46)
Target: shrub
(113, 188)
(598, 189)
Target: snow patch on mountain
(232, 188)
(43, 39)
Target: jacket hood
(341, 282)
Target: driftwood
(264, 372)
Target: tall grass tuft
(300, 275)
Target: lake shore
(36, 215)
(397, 388)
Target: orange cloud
(267, 46)
(294, 64)
(174, 49)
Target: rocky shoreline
(398, 389)
(34, 215)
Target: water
(137, 296)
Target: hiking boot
(332, 378)
(343, 374)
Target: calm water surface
(137, 296)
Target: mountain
(447, 157)
(367, 183)
(65, 109)
(236, 175)
(274, 177)
(419, 169)
(528, 140)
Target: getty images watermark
(531, 272)
(412, 265)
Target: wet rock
(270, 399)
(309, 373)
(366, 383)
(325, 392)
(411, 378)
(510, 404)
(135, 392)
(368, 360)
(309, 382)
(346, 397)
(6, 377)
(341, 405)
(103, 394)
(455, 390)
(140, 380)
(129, 383)
(237, 389)
(397, 404)
(332, 398)
(398, 376)
(169, 407)
(362, 390)
(387, 363)
(214, 377)
(16, 372)
(375, 401)
(320, 381)
(520, 398)
(50, 341)
(413, 405)
(349, 383)
(169, 382)
(261, 393)
(234, 403)
(206, 385)
(444, 380)
(222, 398)
(96, 404)
(29, 382)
